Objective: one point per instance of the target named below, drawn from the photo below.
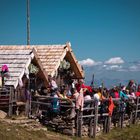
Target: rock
(8, 129)
(2, 114)
(98, 129)
(57, 120)
(68, 132)
(44, 129)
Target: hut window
(64, 65)
(32, 82)
(33, 70)
(65, 71)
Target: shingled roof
(51, 56)
(18, 57)
(17, 62)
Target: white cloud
(114, 60)
(89, 62)
(114, 67)
(104, 66)
(123, 69)
(134, 68)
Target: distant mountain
(110, 78)
(108, 82)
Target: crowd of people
(73, 90)
(78, 91)
(78, 94)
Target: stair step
(3, 103)
(4, 95)
(20, 103)
(4, 100)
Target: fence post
(91, 122)
(10, 102)
(95, 119)
(108, 124)
(80, 121)
(136, 111)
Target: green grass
(16, 132)
(129, 133)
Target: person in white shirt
(87, 95)
(52, 83)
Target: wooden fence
(91, 116)
(7, 99)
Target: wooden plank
(15, 47)
(4, 103)
(50, 52)
(14, 74)
(95, 119)
(10, 113)
(76, 67)
(48, 60)
(10, 82)
(90, 116)
(46, 48)
(1, 100)
(39, 103)
(13, 61)
(49, 46)
(4, 95)
(54, 53)
(14, 78)
(41, 67)
(15, 69)
(136, 111)
(14, 65)
(79, 123)
(14, 56)
(68, 106)
(91, 120)
(109, 124)
(48, 57)
(88, 108)
(49, 64)
(15, 52)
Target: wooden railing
(7, 99)
(91, 114)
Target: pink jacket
(80, 101)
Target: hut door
(32, 82)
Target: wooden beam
(41, 67)
(75, 65)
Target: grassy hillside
(16, 132)
(129, 133)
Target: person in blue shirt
(122, 93)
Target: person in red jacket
(81, 84)
(138, 91)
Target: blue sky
(97, 29)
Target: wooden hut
(53, 57)
(18, 60)
(55, 60)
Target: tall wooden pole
(28, 22)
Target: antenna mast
(28, 22)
